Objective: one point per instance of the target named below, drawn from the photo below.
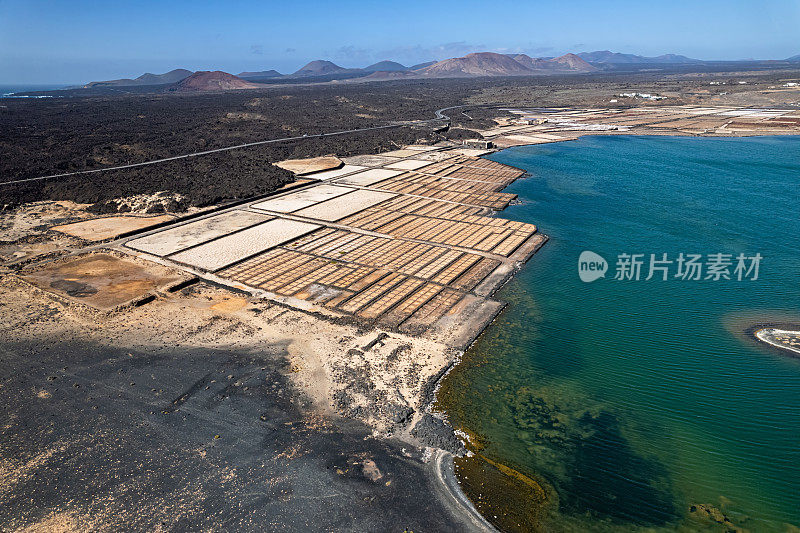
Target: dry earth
(161, 416)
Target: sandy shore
(161, 416)
(783, 339)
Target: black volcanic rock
(437, 433)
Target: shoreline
(767, 336)
(759, 333)
(737, 135)
(367, 357)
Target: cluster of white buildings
(531, 121)
(644, 96)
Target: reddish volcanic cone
(217, 80)
(478, 64)
(574, 62)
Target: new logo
(591, 266)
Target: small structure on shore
(478, 143)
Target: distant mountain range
(322, 68)
(173, 76)
(261, 74)
(492, 64)
(605, 56)
(472, 65)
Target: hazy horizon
(84, 41)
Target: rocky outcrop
(437, 433)
(709, 513)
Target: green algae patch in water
(508, 499)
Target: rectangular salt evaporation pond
(409, 164)
(369, 160)
(368, 177)
(330, 174)
(756, 113)
(239, 246)
(300, 199)
(176, 239)
(436, 156)
(344, 206)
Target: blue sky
(81, 40)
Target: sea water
(636, 399)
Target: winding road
(439, 116)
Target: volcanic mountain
(147, 78)
(320, 67)
(203, 80)
(606, 56)
(531, 63)
(573, 62)
(272, 73)
(477, 64)
(492, 64)
(385, 66)
(422, 65)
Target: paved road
(439, 116)
(440, 112)
(206, 152)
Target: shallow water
(635, 399)
(6, 91)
